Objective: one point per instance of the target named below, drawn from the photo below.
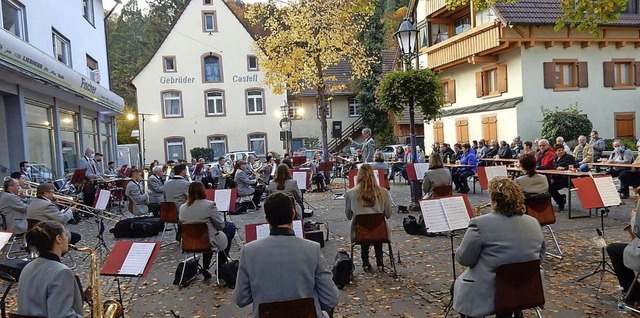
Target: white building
(206, 89)
(501, 64)
(54, 85)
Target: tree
(305, 38)
(420, 87)
(125, 126)
(568, 123)
(583, 15)
(202, 152)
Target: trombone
(70, 202)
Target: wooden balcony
(462, 47)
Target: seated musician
(531, 182)
(199, 209)
(111, 168)
(625, 259)
(42, 208)
(13, 208)
(316, 159)
(247, 186)
(487, 244)
(436, 176)
(217, 169)
(47, 287)
(177, 188)
(563, 161)
(284, 183)
(156, 189)
(399, 164)
(264, 262)
(138, 199)
(269, 166)
(629, 177)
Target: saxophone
(480, 207)
(111, 308)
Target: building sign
(21, 55)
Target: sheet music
(420, 169)
(137, 259)
(103, 199)
(4, 238)
(301, 179)
(297, 228)
(376, 174)
(263, 230)
(607, 191)
(496, 171)
(456, 212)
(446, 214)
(223, 199)
(434, 216)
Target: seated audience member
(531, 182)
(563, 161)
(625, 259)
(597, 145)
(492, 152)
(486, 245)
(582, 153)
(264, 262)
(482, 149)
(457, 150)
(447, 154)
(504, 152)
(399, 164)
(42, 208)
(47, 287)
(545, 155)
(630, 177)
(198, 209)
(284, 183)
(527, 149)
(436, 176)
(560, 141)
(516, 146)
(461, 174)
(620, 154)
(12, 208)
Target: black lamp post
(144, 136)
(286, 119)
(407, 36)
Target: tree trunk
(321, 99)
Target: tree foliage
(568, 123)
(583, 15)
(420, 87)
(202, 152)
(305, 39)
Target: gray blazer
(368, 147)
(243, 184)
(353, 208)
(42, 209)
(265, 262)
(176, 190)
(156, 184)
(536, 184)
(47, 288)
(491, 240)
(203, 211)
(435, 178)
(291, 190)
(90, 165)
(137, 197)
(14, 211)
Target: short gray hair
(367, 130)
(543, 141)
(156, 168)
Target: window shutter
(609, 77)
(636, 67)
(452, 90)
(550, 76)
(502, 78)
(479, 84)
(583, 74)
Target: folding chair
(542, 210)
(519, 287)
(442, 191)
(195, 239)
(628, 294)
(371, 229)
(168, 215)
(299, 308)
(247, 199)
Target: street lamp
(144, 136)
(407, 36)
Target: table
(454, 165)
(569, 175)
(502, 160)
(618, 165)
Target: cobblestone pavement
(425, 270)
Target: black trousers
(557, 184)
(364, 253)
(625, 275)
(230, 232)
(628, 178)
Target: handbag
(220, 240)
(631, 255)
(229, 273)
(190, 268)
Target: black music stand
(3, 300)
(326, 168)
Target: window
(423, 36)
(219, 145)
(327, 107)
(354, 107)
(211, 72)
(105, 140)
(625, 125)
(169, 64)
(69, 140)
(92, 69)
(296, 110)
(621, 73)
(632, 7)
(209, 23)
(462, 130)
(13, 18)
(172, 104)
(207, 2)
(252, 63)
(39, 118)
(490, 127)
(491, 81)
(449, 91)
(565, 75)
(438, 32)
(258, 143)
(215, 103)
(174, 148)
(90, 133)
(462, 24)
(255, 102)
(61, 48)
(438, 131)
(87, 10)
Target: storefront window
(105, 140)
(90, 135)
(69, 140)
(40, 138)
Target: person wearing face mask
(98, 159)
(630, 177)
(620, 154)
(88, 162)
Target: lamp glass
(407, 37)
(131, 116)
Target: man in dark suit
(264, 261)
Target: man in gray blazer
(368, 146)
(137, 198)
(176, 189)
(156, 185)
(42, 208)
(264, 262)
(12, 208)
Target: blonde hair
(368, 192)
(508, 197)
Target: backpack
(190, 269)
(138, 227)
(229, 273)
(342, 269)
(410, 224)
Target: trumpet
(167, 173)
(31, 184)
(145, 180)
(480, 207)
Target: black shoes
(562, 203)
(205, 273)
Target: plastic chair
(542, 210)
(168, 215)
(519, 287)
(299, 308)
(372, 229)
(195, 239)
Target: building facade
(54, 86)
(500, 65)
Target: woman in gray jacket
(283, 182)
(436, 176)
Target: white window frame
(329, 104)
(60, 40)
(18, 25)
(217, 100)
(218, 139)
(166, 98)
(172, 142)
(87, 11)
(354, 107)
(257, 137)
(206, 15)
(252, 102)
(93, 73)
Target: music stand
(326, 168)
(298, 160)
(78, 176)
(100, 204)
